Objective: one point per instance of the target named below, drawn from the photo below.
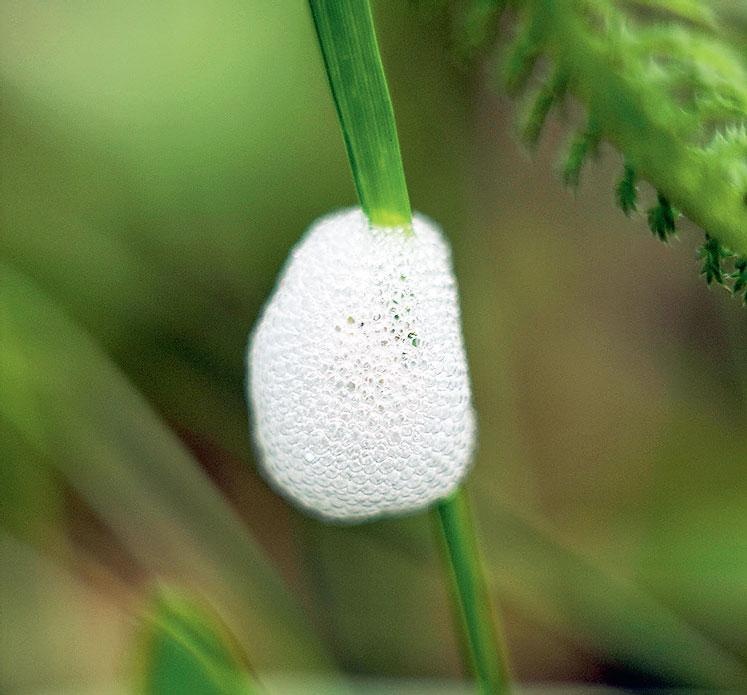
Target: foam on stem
(358, 380)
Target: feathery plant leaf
(661, 219)
(549, 95)
(583, 145)
(627, 191)
(476, 28)
(716, 259)
(663, 83)
(522, 55)
(713, 255)
(740, 279)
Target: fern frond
(663, 83)
(655, 102)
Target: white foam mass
(358, 380)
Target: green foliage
(582, 146)
(664, 82)
(713, 254)
(31, 501)
(661, 219)
(470, 594)
(635, 626)
(690, 10)
(476, 28)
(740, 279)
(184, 649)
(627, 191)
(356, 77)
(549, 95)
(716, 258)
(522, 54)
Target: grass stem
(356, 76)
(481, 641)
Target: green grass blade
(356, 77)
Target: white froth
(358, 379)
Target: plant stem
(356, 76)
(469, 591)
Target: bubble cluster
(358, 379)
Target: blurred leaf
(583, 145)
(411, 630)
(368, 686)
(30, 498)
(423, 686)
(74, 407)
(185, 650)
(712, 254)
(739, 276)
(608, 613)
(354, 572)
(692, 10)
(539, 106)
(476, 27)
(694, 553)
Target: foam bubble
(358, 380)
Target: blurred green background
(158, 162)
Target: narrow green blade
(356, 76)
